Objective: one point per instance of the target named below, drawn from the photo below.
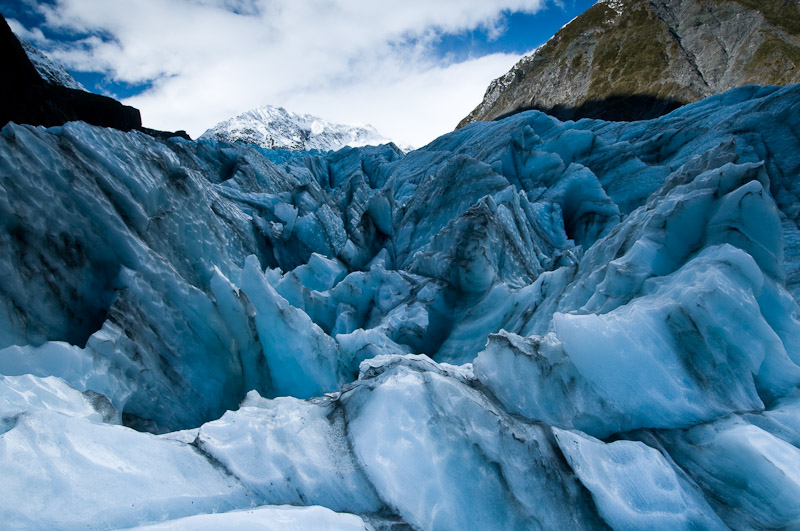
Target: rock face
(526, 324)
(276, 128)
(25, 97)
(638, 59)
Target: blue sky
(520, 31)
(412, 71)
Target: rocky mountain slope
(276, 128)
(637, 59)
(526, 324)
(52, 72)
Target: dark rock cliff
(26, 98)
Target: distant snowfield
(526, 324)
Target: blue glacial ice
(634, 486)
(526, 324)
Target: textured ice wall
(525, 324)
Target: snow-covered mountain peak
(276, 128)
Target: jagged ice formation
(527, 324)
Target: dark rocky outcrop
(164, 135)
(26, 98)
(638, 59)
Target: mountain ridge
(274, 127)
(31, 99)
(638, 59)
(50, 70)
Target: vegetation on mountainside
(629, 58)
(624, 60)
(632, 58)
(768, 65)
(783, 14)
(599, 16)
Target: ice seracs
(526, 324)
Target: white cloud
(34, 35)
(345, 60)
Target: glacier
(526, 324)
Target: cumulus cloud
(345, 60)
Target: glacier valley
(526, 324)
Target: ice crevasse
(526, 324)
